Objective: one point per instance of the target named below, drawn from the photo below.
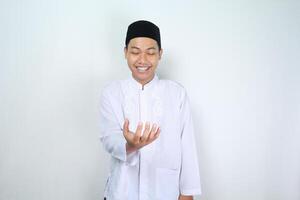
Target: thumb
(126, 125)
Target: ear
(160, 53)
(125, 52)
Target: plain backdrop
(238, 60)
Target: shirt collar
(139, 86)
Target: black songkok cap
(143, 28)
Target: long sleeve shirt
(162, 169)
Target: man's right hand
(137, 140)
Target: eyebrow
(150, 48)
(134, 47)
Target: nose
(142, 58)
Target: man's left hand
(182, 197)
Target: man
(147, 128)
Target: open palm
(137, 140)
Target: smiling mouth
(142, 69)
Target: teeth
(142, 69)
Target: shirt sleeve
(189, 175)
(111, 133)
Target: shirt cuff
(132, 158)
(192, 191)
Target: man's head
(143, 50)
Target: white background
(238, 60)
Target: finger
(155, 135)
(146, 132)
(126, 125)
(127, 134)
(153, 131)
(157, 132)
(138, 131)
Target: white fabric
(166, 167)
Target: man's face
(142, 56)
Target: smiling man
(147, 128)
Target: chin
(143, 78)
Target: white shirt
(162, 169)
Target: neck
(144, 82)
